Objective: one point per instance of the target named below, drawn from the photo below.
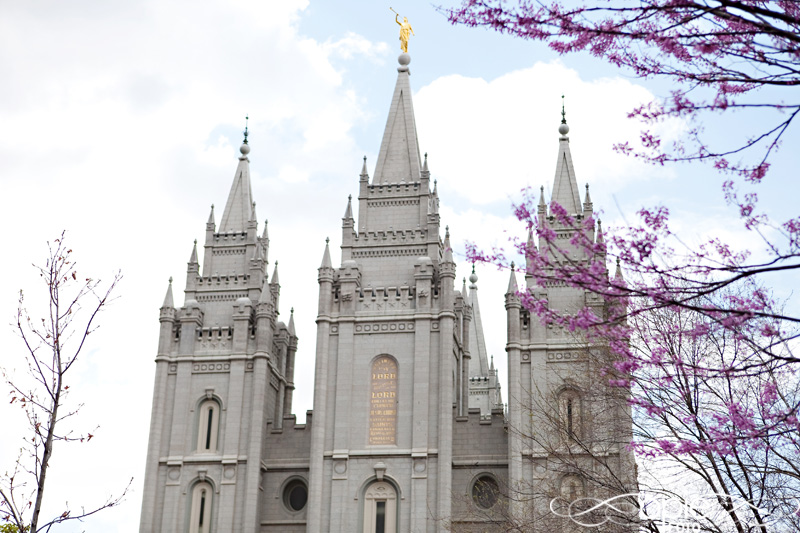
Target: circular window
(295, 495)
(485, 492)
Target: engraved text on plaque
(383, 402)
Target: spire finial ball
(563, 129)
(244, 149)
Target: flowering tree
(732, 48)
(53, 344)
(739, 404)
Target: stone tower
(570, 429)
(392, 357)
(224, 370)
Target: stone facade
(408, 430)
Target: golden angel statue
(405, 31)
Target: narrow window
(208, 426)
(380, 508)
(380, 517)
(569, 418)
(200, 510)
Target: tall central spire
(565, 187)
(239, 208)
(399, 158)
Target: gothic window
(208, 426)
(485, 491)
(570, 411)
(200, 514)
(380, 508)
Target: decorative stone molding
(199, 368)
(384, 327)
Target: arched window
(570, 411)
(200, 514)
(572, 487)
(208, 426)
(380, 508)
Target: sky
(120, 123)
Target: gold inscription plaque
(383, 402)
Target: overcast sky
(120, 122)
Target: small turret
(512, 282)
(169, 303)
(364, 173)
(193, 258)
(326, 256)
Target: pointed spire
(464, 289)
(425, 163)
(291, 323)
(193, 258)
(326, 257)
(512, 281)
(491, 366)
(398, 159)
(448, 251)
(265, 233)
(168, 301)
(588, 197)
(565, 187)
(253, 217)
(542, 203)
(239, 207)
(274, 280)
(477, 342)
(266, 293)
(211, 216)
(364, 172)
(530, 244)
(618, 274)
(348, 213)
(600, 238)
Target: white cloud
(504, 131)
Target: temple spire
(211, 221)
(266, 293)
(274, 280)
(291, 323)
(565, 186)
(326, 257)
(364, 171)
(448, 251)
(168, 300)
(512, 281)
(477, 342)
(399, 158)
(348, 213)
(239, 207)
(193, 258)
